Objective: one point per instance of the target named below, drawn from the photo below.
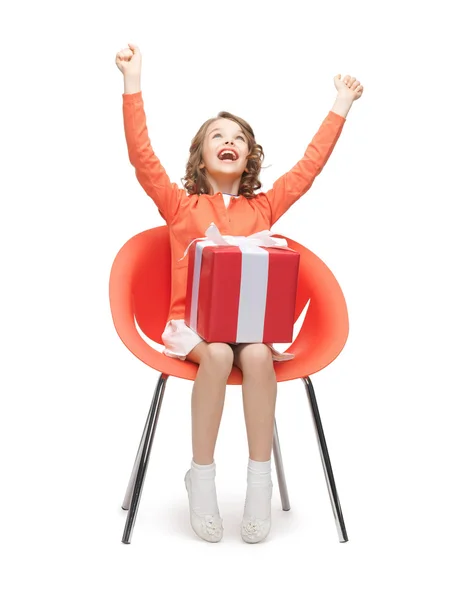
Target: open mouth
(228, 155)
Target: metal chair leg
(128, 495)
(280, 470)
(135, 486)
(335, 502)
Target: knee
(219, 358)
(256, 359)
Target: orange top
(189, 216)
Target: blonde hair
(195, 180)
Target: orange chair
(139, 291)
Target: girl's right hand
(129, 61)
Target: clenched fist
(349, 87)
(129, 61)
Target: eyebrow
(219, 129)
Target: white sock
(259, 490)
(204, 499)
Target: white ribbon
(262, 238)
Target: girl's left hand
(349, 87)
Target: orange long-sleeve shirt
(189, 216)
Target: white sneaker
(207, 527)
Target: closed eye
(238, 136)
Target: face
(224, 134)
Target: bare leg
(259, 397)
(259, 402)
(208, 395)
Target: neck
(225, 186)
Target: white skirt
(179, 340)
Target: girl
(222, 175)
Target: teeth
(227, 152)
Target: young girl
(222, 175)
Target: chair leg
(280, 470)
(335, 502)
(135, 486)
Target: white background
(74, 399)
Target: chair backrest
(150, 283)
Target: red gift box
(242, 293)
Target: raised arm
(296, 182)
(292, 185)
(149, 171)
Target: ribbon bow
(262, 238)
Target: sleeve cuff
(131, 98)
(336, 116)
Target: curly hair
(195, 180)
